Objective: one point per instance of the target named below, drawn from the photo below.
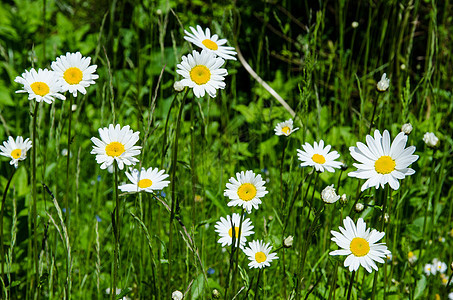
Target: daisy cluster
(203, 71)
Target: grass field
(72, 229)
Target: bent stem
(2, 250)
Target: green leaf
(420, 288)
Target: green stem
(174, 204)
(285, 143)
(258, 283)
(351, 282)
(67, 160)
(2, 250)
(34, 210)
(116, 228)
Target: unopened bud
(329, 195)
(359, 207)
(178, 86)
(451, 266)
(288, 242)
(407, 128)
(383, 84)
(215, 294)
(177, 295)
(431, 140)
(343, 199)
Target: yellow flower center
(260, 257)
(73, 75)
(247, 191)
(200, 74)
(410, 254)
(144, 183)
(285, 129)
(318, 158)
(114, 149)
(210, 44)
(16, 153)
(40, 88)
(359, 247)
(230, 232)
(384, 165)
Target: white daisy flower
(116, 144)
(259, 254)
(382, 163)
(145, 180)
(411, 257)
(429, 270)
(360, 245)
(439, 266)
(319, 157)
(225, 230)
(329, 195)
(285, 128)
(210, 43)
(74, 72)
(16, 150)
(41, 85)
(246, 190)
(202, 72)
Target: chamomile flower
(439, 266)
(146, 180)
(204, 40)
(382, 163)
(202, 73)
(360, 245)
(319, 157)
(16, 150)
(225, 230)
(116, 144)
(429, 270)
(74, 72)
(285, 128)
(246, 190)
(259, 254)
(41, 85)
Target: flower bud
(343, 199)
(288, 242)
(177, 295)
(329, 195)
(431, 140)
(178, 86)
(383, 84)
(407, 128)
(359, 207)
(355, 24)
(215, 294)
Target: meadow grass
(69, 233)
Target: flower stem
(34, 210)
(2, 250)
(285, 143)
(258, 283)
(116, 228)
(351, 282)
(66, 203)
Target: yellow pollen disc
(40, 88)
(410, 254)
(210, 44)
(73, 75)
(285, 129)
(260, 257)
(230, 232)
(359, 247)
(114, 149)
(16, 153)
(144, 183)
(384, 165)
(318, 158)
(247, 191)
(200, 74)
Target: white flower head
(431, 140)
(406, 128)
(116, 144)
(225, 230)
(450, 296)
(319, 157)
(439, 266)
(204, 40)
(246, 190)
(288, 242)
(285, 128)
(259, 254)
(329, 195)
(411, 257)
(429, 270)
(360, 244)
(381, 162)
(383, 84)
(41, 85)
(177, 295)
(74, 72)
(146, 180)
(178, 86)
(202, 73)
(15, 149)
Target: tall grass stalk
(2, 249)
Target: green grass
(311, 56)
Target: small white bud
(406, 128)
(215, 294)
(359, 207)
(288, 242)
(431, 140)
(177, 295)
(329, 195)
(159, 11)
(344, 199)
(355, 24)
(178, 86)
(74, 107)
(383, 84)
